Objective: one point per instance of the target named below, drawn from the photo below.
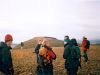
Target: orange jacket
(83, 46)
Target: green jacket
(5, 57)
(72, 55)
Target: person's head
(66, 37)
(84, 38)
(8, 39)
(40, 41)
(45, 42)
(74, 42)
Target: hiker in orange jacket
(85, 46)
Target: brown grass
(25, 62)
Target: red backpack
(51, 54)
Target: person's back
(88, 44)
(85, 47)
(6, 59)
(84, 44)
(72, 56)
(5, 54)
(46, 66)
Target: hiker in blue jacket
(72, 56)
(6, 65)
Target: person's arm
(66, 52)
(1, 44)
(37, 48)
(78, 52)
(79, 56)
(11, 66)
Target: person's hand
(11, 70)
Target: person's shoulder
(2, 44)
(68, 46)
(88, 40)
(38, 45)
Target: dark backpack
(88, 44)
(74, 53)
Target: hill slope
(32, 42)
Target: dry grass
(25, 62)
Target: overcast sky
(25, 19)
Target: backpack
(52, 54)
(73, 53)
(47, 54)
(87, 45)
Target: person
(85, 46)
(6, 65)
(46, 66)
(72, 56)
(66, 41)
(37, 49)
(22, 45)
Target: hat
(84, 37)
(8, 37)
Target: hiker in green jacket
(6, 66)
(72, 55)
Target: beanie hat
(8, 37)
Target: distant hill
(95, 41)
(32, 42)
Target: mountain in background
(54, 42)
(32, 42)
(95, 41)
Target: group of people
(45, 56)
(72, 54)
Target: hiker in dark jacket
(37, 49)
(6, 65)
(22, 45)
(66, 41)
(72, 56)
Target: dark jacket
(37, 48)
(88, 44)
(5, 58)
(72, 61)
